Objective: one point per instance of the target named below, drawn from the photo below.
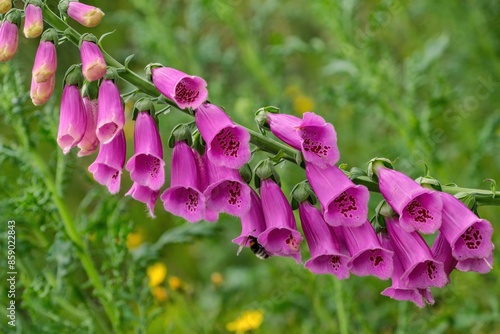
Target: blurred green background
(408, 80)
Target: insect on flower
(255, 247)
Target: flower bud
(41, 92)
(73, 121)
(33, 21)
(5, 6)
(93, 63)
(8, 35)
(45, 64)
(88, 16)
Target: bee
(255, 247)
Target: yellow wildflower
(160, 293)
(175, 283)
(247, 321)
(217, 279)
(156, 273)
(302, 103)
(134, 240)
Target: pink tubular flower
(419, 208)
(87, 16)
(183, 198)
(107, 167)
(368, 257)
(93, 63)
(318, 140)
(343, 202)
(45, 64)
(468, 235)
(441, 251)
(284, 127)
(227, 143)
(33, 21)
(480, 265)
(8, 40)
(110, 114)
(281, 236)
(5, 6)
(146, 166)
(89, 142)
(227, 192)
(203, 172)
(145, 195)
(41, 92)
(253, 222)
(421, 270)
(326, 257)
(187, 91)
(398, 290)
(72, 121)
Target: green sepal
(90, 89)
(111, 74)
(144, 104)
(87, 37)
(246, 173)
(356, 172)
(429, 182)
(37, 3)
(74, 76)
(376, 163)
(493, 186)
(63, 6)
(264, 170)
(469, 200)
(50, 35)
(14, 16)
(149, 70)
(302, 192)
(261, 116)
(181, 132)
(198, 143)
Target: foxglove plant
(88, 16)
(479, 265)
(45, 65)
(419, 208)
(183, 198)
(72, 120)
(441, 251)
(187, 91)
(93, 63)
(107, 167)
(368, 257)
(8, 35)
(110, 112)
(145, 195)
(203, 172)
(343, 203)
(468, 235)
(33, 20)
(227, 143)
(281, 236)
(421, 269)
(398, 290)
(326, 256)
(284, 127)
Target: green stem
(341, 314)
(483, 197)
(75, 237)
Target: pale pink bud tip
(33, 22)
(45, 64)
(88, 16)
(93, 63)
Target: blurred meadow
(416, 81)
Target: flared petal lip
(486, 250)
(427, 228)
(171, 207)
(341, 274)
(243, 209)
(441, 281)
(405, 294)
(243, 151)
(363, 210)
(387, 254)
(203, 92)
(149, 182)
(263, 239)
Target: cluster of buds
(209, 172)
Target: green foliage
(406, 80)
